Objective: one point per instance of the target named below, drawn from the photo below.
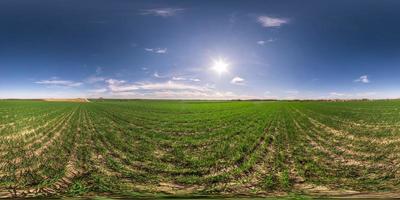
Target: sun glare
(220, 66)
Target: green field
(226, 148)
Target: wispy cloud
(178, 78)
(156, 50)
(120, 85)
(352, 95)
(238, 81)
(267, 21)
(59, 83)
(168, 90)
(157, 75)
(362, 79)
(194, 79)
(162, 12)
(170, 85)
(263, 42)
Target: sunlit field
(189, 148)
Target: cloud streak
(353, 95)
(162, 12)
(59, 83)
(177, 78)
(156, 50)
(157, 75)
(269, 22)
(168, 90)
(238, 81)
(122, 86)
(362, 79)
(263, 42)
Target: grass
(197, 148)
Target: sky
(200, 49)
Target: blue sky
(169, 49)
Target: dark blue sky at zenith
(172, 49)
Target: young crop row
(197, 147)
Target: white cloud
(267, 21)
(168, 90)
(261, 42)
(120, 85)
(353, 96)
(170, 85)
(157, 75)
(60, 83)
(174, 78)
(157, 50)
(177, 78)
(125, 94)
(238, 81)
(362, 79)
(162, 12)
(195, 79)
(213, 95)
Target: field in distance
(149, 147)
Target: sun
(220, 66)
